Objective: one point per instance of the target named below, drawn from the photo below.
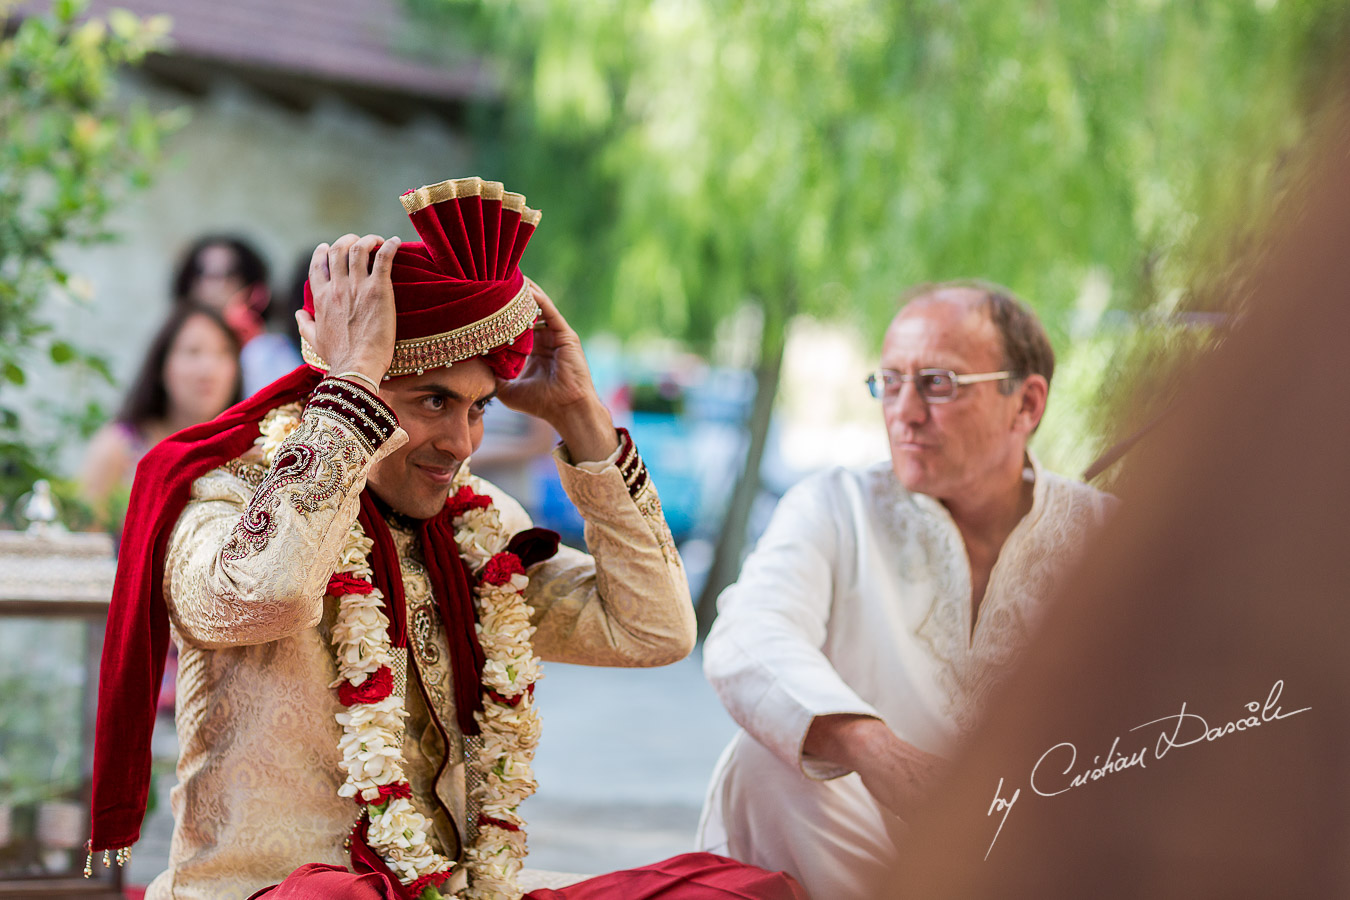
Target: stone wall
(283, 180)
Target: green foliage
(41, 709)
(71, 150)
(762, 150)
(693, 156)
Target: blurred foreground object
(1109, 767)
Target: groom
(359, 620)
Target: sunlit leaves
(696, 156)
(69, 153)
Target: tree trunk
(726, 563)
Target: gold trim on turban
(415, 355)
(431, 194)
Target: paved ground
(622, 766)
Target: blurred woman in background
(191, 373)
(226, 274)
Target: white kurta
(857, 600)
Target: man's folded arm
(250, 565)
(764, 655)
(626, 603)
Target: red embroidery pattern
(258, 524)
(317, 460)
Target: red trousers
(690, 876)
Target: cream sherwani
(857, 600)
(248, 563)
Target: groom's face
(442, 412)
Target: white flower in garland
(403, 836)
(371, 742)
(372, 745)
(355, 555)
(276, 426)
(362, 636)
(508, 723)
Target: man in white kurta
(883, 604)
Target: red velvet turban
(459, 292)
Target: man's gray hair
(1026, 346)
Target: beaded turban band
(458, 292)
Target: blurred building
(308, 119)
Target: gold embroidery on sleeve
(649, 504)
(316, 463)
(251, 473)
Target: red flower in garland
(501, 567)
(488, 820)
(378, 685)
(465, 499)
(510, 701)
(343, 583)
(400, 789)
(435, 878)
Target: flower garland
(371, 742)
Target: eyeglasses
(933, 385)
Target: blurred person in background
(190, 374)
(227, 274)
(884, 603)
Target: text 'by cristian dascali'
(1058, 771)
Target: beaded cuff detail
(630, 464)
(356, 408)
(416, 355)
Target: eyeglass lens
(932, 384)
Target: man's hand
(894, 771)
(556, 386)
(353, 323)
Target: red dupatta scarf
(137, 637)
